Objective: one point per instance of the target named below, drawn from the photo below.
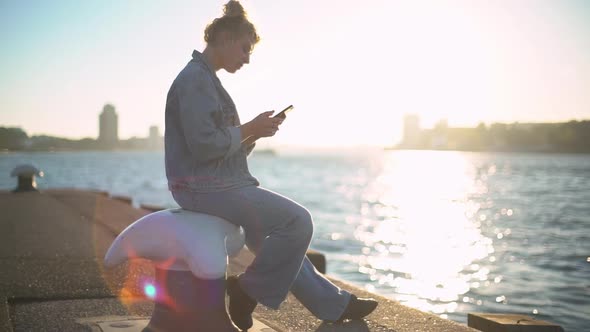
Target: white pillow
(177, 239)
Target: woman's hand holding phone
(261, 126)
(264, 125)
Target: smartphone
(283, 113)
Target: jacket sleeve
(248, 148)
(206, 138)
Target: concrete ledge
(509, 323)
(317, 259)
(151, 208)
(100, 192)
(125, 199)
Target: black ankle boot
(358, 308)
(241, 305)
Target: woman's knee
(304, 224)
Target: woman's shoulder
(195, 73)
(195, 70)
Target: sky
(352, 69)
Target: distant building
(412, 130)
(108, 133)
(155, 140)
(440, 135)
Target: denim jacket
(203, 145)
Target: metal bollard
(184, 302)
(26, 177)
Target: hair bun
(234, 21)
(233, 8)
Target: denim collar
(198, 56)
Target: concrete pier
(52, 279)
(509, 323)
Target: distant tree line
(568, 137)
(13, 138)
(573, 136)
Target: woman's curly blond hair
(234, 20)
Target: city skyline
(16, 139)
(564, 137)
(351, 80)
(108, 128)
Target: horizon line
(135, 136)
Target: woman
(206, 151)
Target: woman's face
(235, 53)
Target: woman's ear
(225, 38)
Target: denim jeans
(278, 231)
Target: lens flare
(150, 291)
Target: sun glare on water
(419, 233)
